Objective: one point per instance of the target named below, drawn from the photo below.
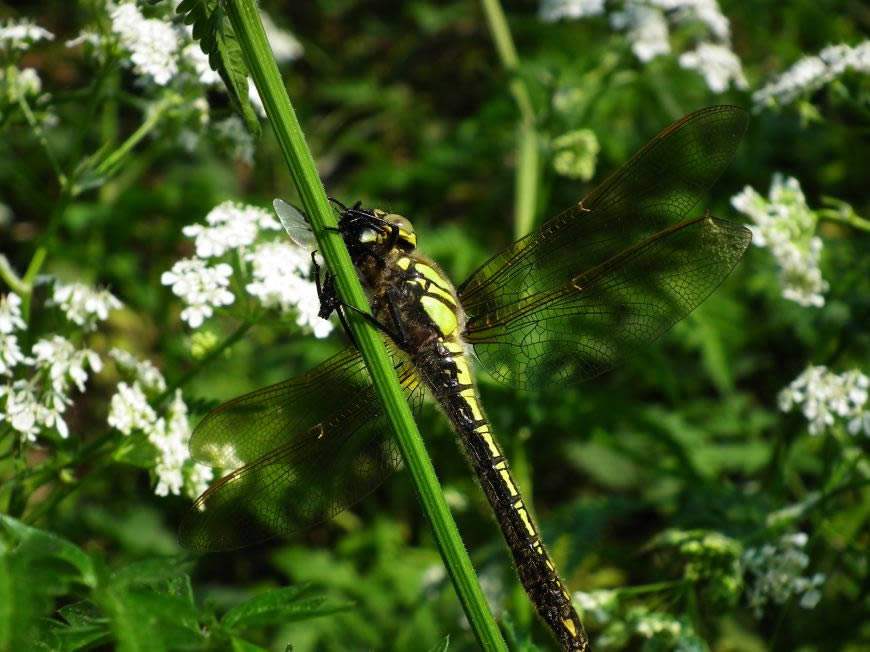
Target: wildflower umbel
(813, 72)
(647, 25)
(276, 272)
(825, 398)
(786, 225)
(774, 574)
(82, 304)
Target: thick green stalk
(249, 30)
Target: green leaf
(441, 646)
(35, 567)
(218, 40)
(241, 645)
(149, 571)
(281, 606)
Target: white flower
(21, 34)
(201, 287)
(785, 224)
(129, 409)
(86, 36)
(774, 574)
(597, 607)
(198, 60)
(647, 30)
(10, 354)
(553, 10)
(236, 135)
(718, 64)
(10, 314)
(279, 272)
(82, 304)
(142, 370)
(152, 43)
(229, 226)
(255, 99)
(706, 11)
(198, 479)
(284, 45)
(813, 72)
(22, 410)
(825, 397)
(64, 362)
(171, 444)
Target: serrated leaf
(281, 606)
(218, 41)
(148, 571)
(82, 613)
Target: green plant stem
(849, 219)
(526, 180)
(12, 73)
(252, 39)
(507, 52)
(528, 140)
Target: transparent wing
(296, 225)
(615, 271)
(307, 449)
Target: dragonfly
(564, 304)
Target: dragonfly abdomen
(445, 368)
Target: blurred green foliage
(406, 107)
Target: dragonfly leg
(396, 332)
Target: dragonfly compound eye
(406, 230)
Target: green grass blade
(252, 39)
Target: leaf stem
(252, 39)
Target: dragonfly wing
(296, 225)
(308, 448)
(524, 306)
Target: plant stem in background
(255, 47)
(528, 140)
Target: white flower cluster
(201, 287)
(40, 400)
(152, 43)
(130, 412)
(824, 397)
(278, 270)
(774, 574)
(229, 226)
(647, 25)
(19, 35)
(813, 72)
(786, 225)
(83, 305)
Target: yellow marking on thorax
(441, 315)
(404, 262)
(453, 346)
(430, 273)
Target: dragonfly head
(376, 228)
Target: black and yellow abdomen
(432, 321)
